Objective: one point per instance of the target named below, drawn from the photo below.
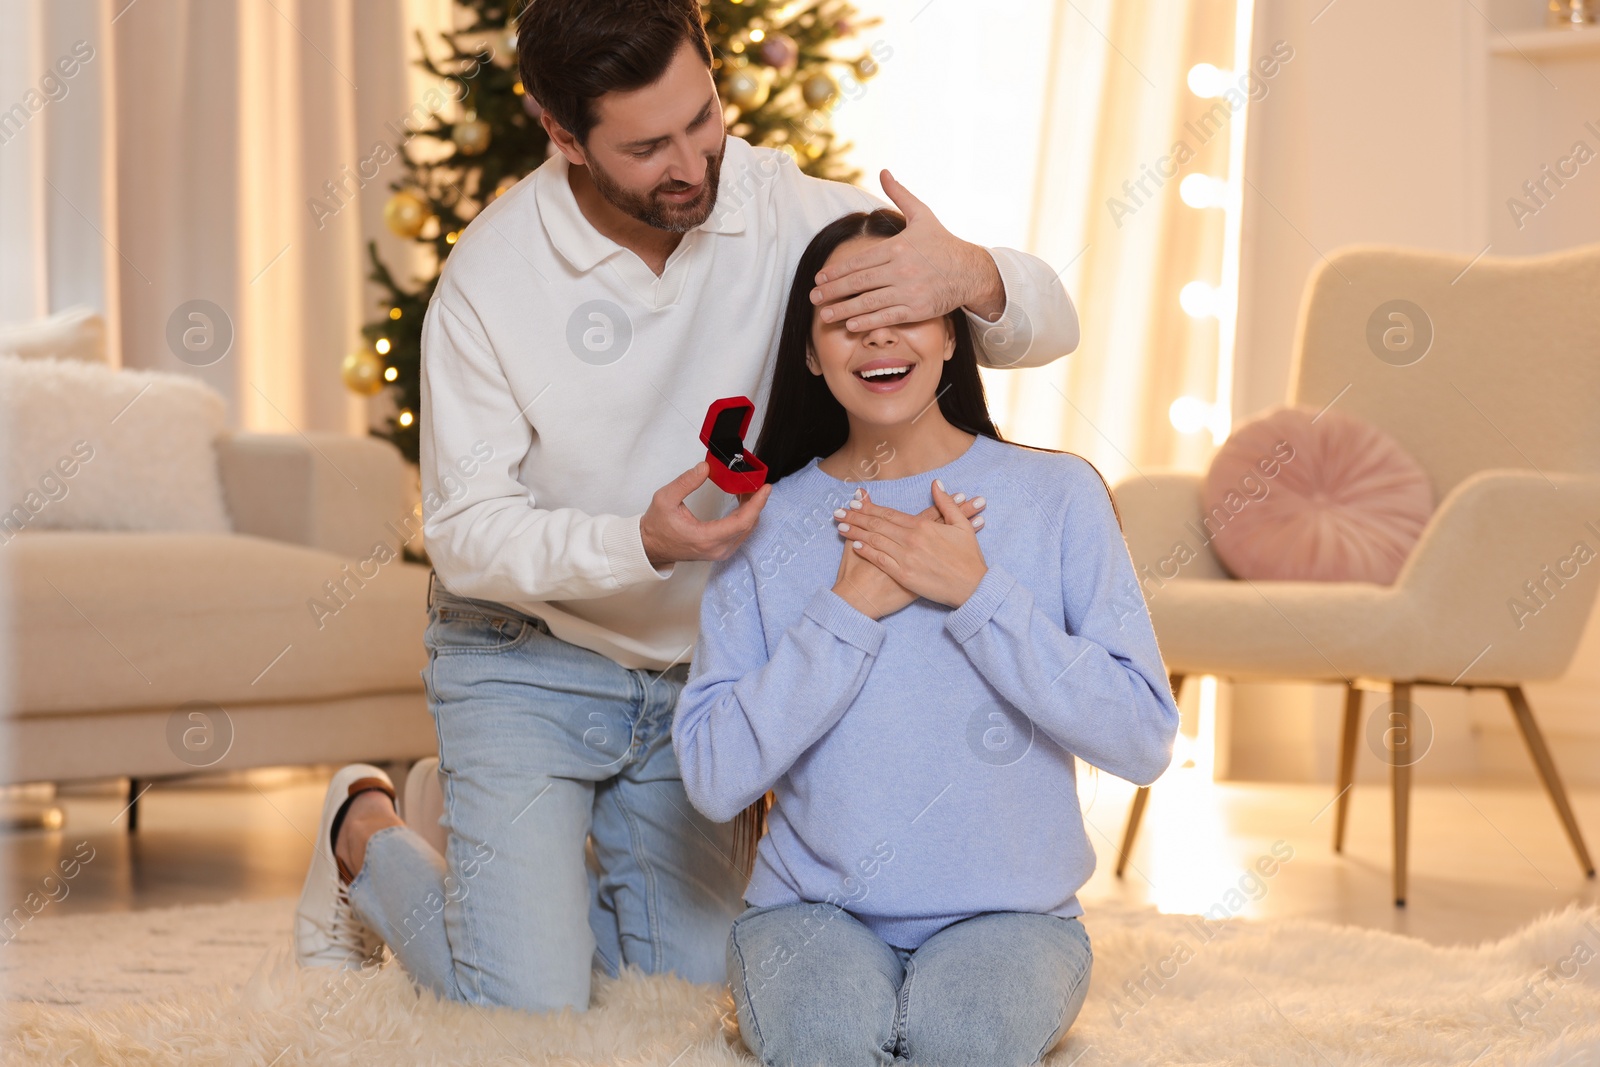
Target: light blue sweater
(924, 764)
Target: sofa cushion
(91, 448)
(1300, 496)
(103, 620)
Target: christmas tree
(780, 73)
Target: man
(582, 325)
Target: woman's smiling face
(885, 376)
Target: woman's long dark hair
(805, 421)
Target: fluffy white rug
(214, 985)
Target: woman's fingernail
(959, 497)
(977, 501)
(940, 483)
(977, 522)
(856, 543)
(855, 504)
(844, 527)
(858, 492)
(839, 513)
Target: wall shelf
(1547, 44)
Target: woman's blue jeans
(814, 986)
(546, 746)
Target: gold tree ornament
(471, 135)
(818, 89)
(747, 87)
(866, 67)
(405, 214)
(362, 372)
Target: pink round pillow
(1331, 500)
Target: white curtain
(54, 74)
(179, 167)
(1017, 125)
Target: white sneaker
(326, 930)
(423, 806)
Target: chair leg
(1400, 780)
(1547, 771)
(1129, 832)
(1347, 761)
(1142, 797)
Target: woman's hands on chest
(891, 558)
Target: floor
(1485, 858)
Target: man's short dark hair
(572, 52)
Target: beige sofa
(157, 654)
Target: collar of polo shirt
(584, 246)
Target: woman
(915, 699)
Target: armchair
(1500, 410)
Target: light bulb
(382, 346)
(405, 418)
(1202, 191)
(1189, 414)
(1199, 300)
(1206, 81)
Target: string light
(1207, 81)
(1190, 414)
(450, 238)
(1203, 191)
(1199, 300)
(390, 374)
(394, 313)
(405, 418)
(382, 346)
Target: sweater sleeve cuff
(839, 617)
(1005, 341)
(978, 608)
(624, 549)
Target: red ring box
(734, 469)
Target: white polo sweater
(585, 378)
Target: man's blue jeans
(814, 986)
(545, 746)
